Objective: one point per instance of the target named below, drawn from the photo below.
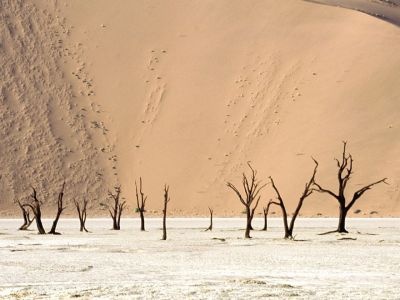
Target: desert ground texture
(98, 93)
(195, 264)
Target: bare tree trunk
(266, 210)
(82, 226)
(60, 209)
(120, 209)
(141, 202)
(82, 214)
(307, 192)
(248, 223)
(142, 221)
(342, 219)
(211, 220)
(252, 212)
(166, 200)
(164, 237)
(39, 224)
(288, 233)
(54, 226)
(35, 206)
(117, 208)
(251, 219)
(115, 224)
(281, 204)
(251, 188)
(251, 222)
(265, 228)
(345, 169)
(25, 214)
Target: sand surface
(387, 10)
(201, 265)
(98, 93)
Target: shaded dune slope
(387, 10)
(45, 137)
(186, 93)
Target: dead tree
(308, 189)
(345, 169)
(60, 209)
(211, 220)
(266, 210)
(252, 215)
(35, 206)
(25, 214)
(81, 209)
(117, 207)
(166, 200)
(252, 189)
(141, 202)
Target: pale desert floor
(197, 265)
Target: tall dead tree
(252, 188)
(211, 220)
(166, 200)
(35, 206)
(265, 211)
(81, 209)
(117, 207)
(141, 202)
(345, 169)
(60, 209)
(25, 214)
(308, 189)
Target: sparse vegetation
(60, 209)
(249, 197)
(35, 204)
(141, 202)
(265, 212)
(81, 209)
(166, 200)
(252, 187)
(25, 215)
(210, 228)
(345, 170)
(307, 192)
(116, 207)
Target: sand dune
(99, 93)
(387, 10)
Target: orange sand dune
(98, 93)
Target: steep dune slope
(186, 93)
(44, 136)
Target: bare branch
(230, 185)
(251, 190)
(276, 190)
(345, 170)
(116, 208)
(322, 190)
(361, 191)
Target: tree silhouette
(141, 202)
(252, 188)
(307, 192)
(345, 169)
(117, 207)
